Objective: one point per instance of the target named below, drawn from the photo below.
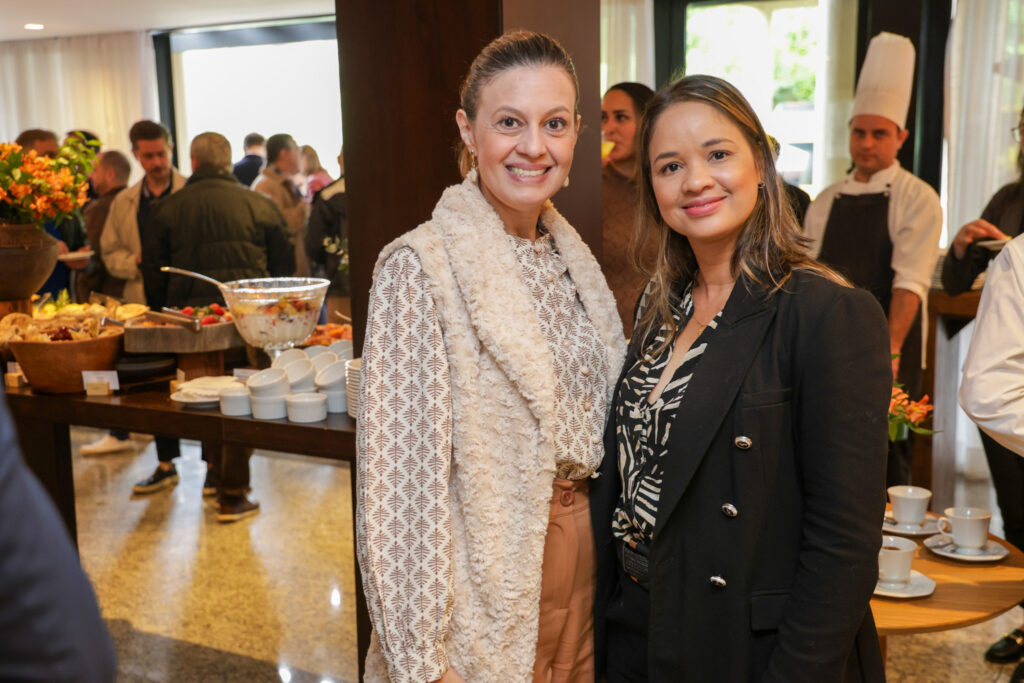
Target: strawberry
(217, 309)
(209, 320)
(188, 310)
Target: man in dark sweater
(217, 227)
(108, 178)
(248, 167)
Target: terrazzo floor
(271, 598)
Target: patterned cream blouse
(411, 415)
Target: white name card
(108, 376)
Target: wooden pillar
(401, 65)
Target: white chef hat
(886, 79)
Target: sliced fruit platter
(192, 329)
(325, 335)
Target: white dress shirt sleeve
(992, 392)
(915, 226)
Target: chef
(880, 225)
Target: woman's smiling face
(703, 173)
(524, 135)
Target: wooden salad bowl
(56, 367)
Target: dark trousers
(230, 466)
(1007, 470)
(167, 448)
(628, 615)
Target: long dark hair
(770, 245)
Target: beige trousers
(565, 642)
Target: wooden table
(966, 593)
(43, 423)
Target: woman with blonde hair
(737, 513)
(316, 177)
(491, 346)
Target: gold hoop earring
(472, 158)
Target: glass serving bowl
(275, 314)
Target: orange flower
(899, 400)
(917, 411)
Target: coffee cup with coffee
(909, 504)
(968, 527)
(894, 560)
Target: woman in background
(316, 177)
(492, 342)
(621, 112)
(736, 512)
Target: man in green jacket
(217, 227)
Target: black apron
(857, 244)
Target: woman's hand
(972, 231)
(450, 676)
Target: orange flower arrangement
(36, 189)
(905, 414)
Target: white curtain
(102, 83)
(985, 92)
(627, 42)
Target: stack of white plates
(353, 380)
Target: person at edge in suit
(1002, 218)
(736, 510)
(880, 225)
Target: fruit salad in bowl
(275, 313)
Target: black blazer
(805, 375)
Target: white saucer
(76, 256)
(192, 402)
(943, 545)
(994, 245)
(929, 528)
(918, 586)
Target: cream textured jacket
(120, 243)
(475, 548)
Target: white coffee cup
(909, 504)
(894, 560)
(968, 527)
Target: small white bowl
(235, 401)
(322, 360)
(332, 376)
(300, 372)
(287, 356)
(268, 408)
(269, 382)
(315, 350)
(306, 407)
(354, 365)
(342, 348)
(337, 400)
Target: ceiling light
(34, 27)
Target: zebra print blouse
(643, 428)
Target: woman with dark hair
(492, 342)
(737, 509)
(621, 113)
(1002, 219)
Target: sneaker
(108, 444)
(233, 509)
(210, 484)
(160, 479)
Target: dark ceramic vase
(27, 257)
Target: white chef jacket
(915, 223)
(992, 392)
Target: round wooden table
(966, 593)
